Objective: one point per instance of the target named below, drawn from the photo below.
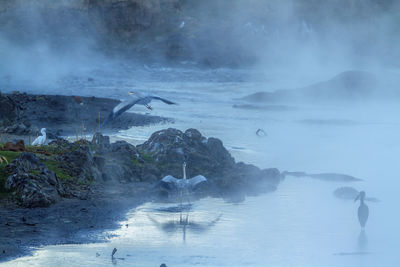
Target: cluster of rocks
(206, 156)
(80, 165)
(35, 185)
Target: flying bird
(136, 99)
(40, 140)
(363, 210)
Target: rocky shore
(52, 194)
(24, 114)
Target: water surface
(301, 224)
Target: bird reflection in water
(184, 225)
(362, 241)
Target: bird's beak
(358, 196)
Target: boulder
(208, 157)
(170, 148)
(19, 146)
(34, 184)
(79, 163)
(348, 86)
(100, 141)
(350, 193)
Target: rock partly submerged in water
(346, 87)
(350, 193)
(207, 156)
(329, 177)
(79, 165)
(334, 177)
(346, 192)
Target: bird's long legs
(188, 196)
(181, 197)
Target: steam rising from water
(41, 42)
(292, 44)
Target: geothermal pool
(300, 224)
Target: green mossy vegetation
(10, 156)
(47, 158)
(54, 166)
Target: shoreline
(71, 192)
(23, 115)
(69, 221)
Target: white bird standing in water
(137, 99)
(184, 183)
(363, 210)
(40, 140)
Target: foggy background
(42, 40)
(337, 63)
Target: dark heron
(363, 210)
(136, 99)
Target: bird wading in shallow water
(40, 140)
(136, 99)
(363, 210)
(184, 184)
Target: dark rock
(346, 192)
(295, 174)
(102, 142)
(60, 143)
(33, 183)
(83, 163)
(79, 163)
(116, 161)
(170, 148)
(350, 193)
(348, 86)
(329, 177)
(123, 150)
(334, 177)
(19, 146)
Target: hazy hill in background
(208, 32)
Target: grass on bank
(10, 156)
(47, 159)
(54, 166)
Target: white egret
(40, 140)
